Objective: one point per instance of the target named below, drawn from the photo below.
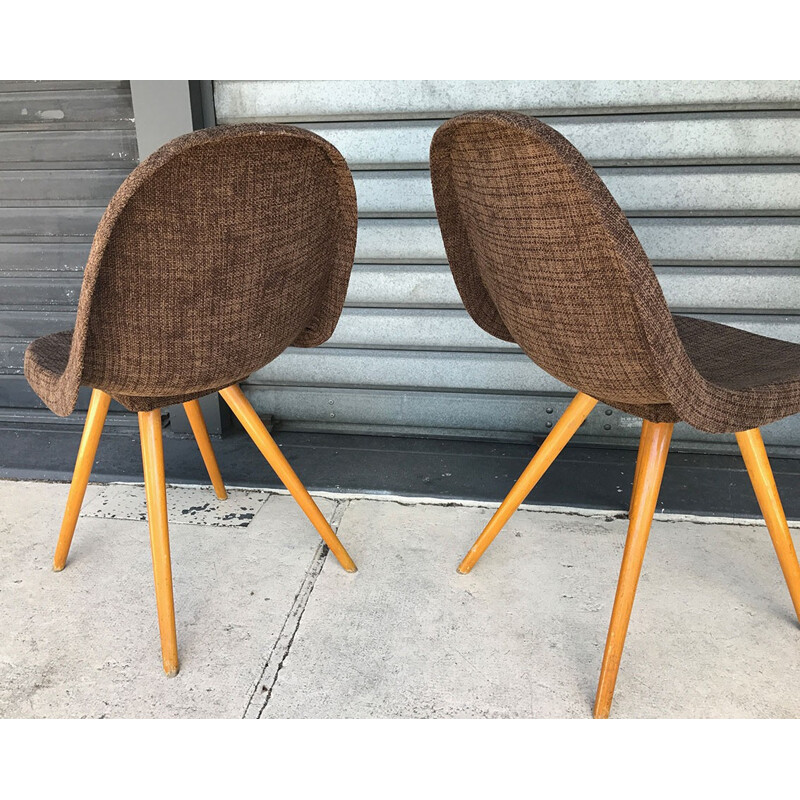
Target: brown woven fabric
(543, 256)
(218, 251)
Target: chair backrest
(219, 251)
(543, 256)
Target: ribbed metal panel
(605, 140)
(673, 240)
(341, 100)
(708, 172)
(65, 147)
(640, 191)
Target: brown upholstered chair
(218, 252)
(543, 256)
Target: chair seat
(49, 355)
(736, 359)
(750, 380)
(46, 362)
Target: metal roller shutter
(65, 147)
(708, 172)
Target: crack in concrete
(280, 650)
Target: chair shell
(543, 256)
(218, 251)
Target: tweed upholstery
(543, 256)
(218, 251)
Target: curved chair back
(219, 251)
(543, 256)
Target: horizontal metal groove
(738, 289)
(46, 239)
(89, 126)
(675, 241)
(53, 223)
(666, 163)
(43, 417)
(417, 391)
(41, 273)
(51, 188)
(663, 192)
(65, 92)
(292, 100)
(651, 213)
(688, 263)
(305, 118)
(11, 87)
(54, 258)
(37, 305)
(383, 387)
(34, 167)
(574, 116)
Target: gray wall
(65, 147)
(708, 172)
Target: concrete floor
(270, 626)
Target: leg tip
(462, 570)
(171, 672)
(346, 563)
(223, 495)
(58, 567)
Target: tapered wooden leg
(653, 448)
(755, 458)
(156, 491)
(564, 429)
(195, 414)
(637, 474)
(246, 414)
(93, 427)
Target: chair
(218, 252)
(543, 256)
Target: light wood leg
(195, 415)
(570, 421)
(92, 429)
(156, 491)
(755, 458)
(246, 414)
(637, 474)
(653, 448)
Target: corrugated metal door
(708, 172)
(65, 147)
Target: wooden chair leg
(156, 491)
(246, 414)
(755, 458)
(637, 476)
(195, 415)
(653, 448)
(92, 429)
(564, 429)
